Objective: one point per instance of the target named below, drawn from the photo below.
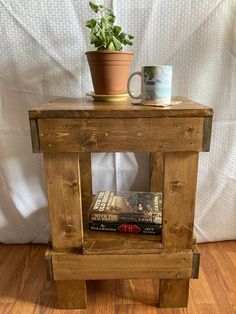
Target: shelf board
(97, 243)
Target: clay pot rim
(108, 52)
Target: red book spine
(125, 227)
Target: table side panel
(128, 134)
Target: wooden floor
(24, 289)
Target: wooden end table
(67, 131)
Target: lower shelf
(99, 243)
(165, 265)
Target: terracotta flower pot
(109, 71)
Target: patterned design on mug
(157, 82)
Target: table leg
(71, 294)
(176, 176)
(180, 180)
(62, 173)
(173, 292)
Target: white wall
(42, 56)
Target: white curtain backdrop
(42, 57)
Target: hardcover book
(128, 207)
(144, 228)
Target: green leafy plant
(104, 34)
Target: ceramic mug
(156, 83)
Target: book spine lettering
(125, 227)
(123, 218)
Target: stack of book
(135, 212)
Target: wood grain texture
(24, 288)
(173, 293)
(80, 108)
(220, 273)
(180, 179)
(115, 134)
(156, 172)
(97, 243)
(68, 266)
(48, 264)
(65, 128)
(71, 294)
(65, 206)
(64, 199)
(86, 181)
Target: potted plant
(109, 65)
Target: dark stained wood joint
(34, 135)
(196, 262)
(49, 266)
(207, 125)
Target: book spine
(126, 218)
(125, 227)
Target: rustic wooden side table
(67, 131)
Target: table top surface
(84, 108)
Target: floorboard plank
(24, 288)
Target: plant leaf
(97, 42)
(111, 18)
(93, 39)
(116, 30)
(121, 37)
(94, 6)
(128, 42)
(91, 23)
(94, 30)
(103, 23)
(111, 46)
(103, 35)
(116, 42)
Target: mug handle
(128, 86)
